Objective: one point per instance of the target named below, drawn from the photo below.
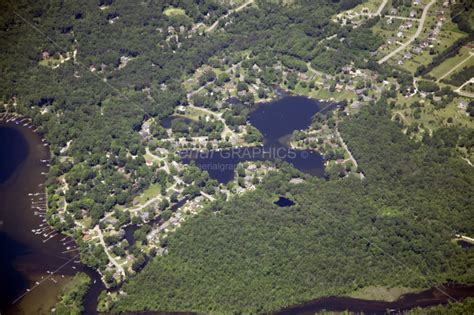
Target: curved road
(418, 32)
(214, 25)
(111, 258)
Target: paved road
(457, 66)
(382, 5)
(418, 32)
(344, 145)
(229, 70)
(112, 260)
(463, 93)
(227, 131)
(401, 18)
(214, 25)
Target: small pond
(284, 202)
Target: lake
(26, 257)
(276, 121)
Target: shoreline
(41, 272)
(422, 298)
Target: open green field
(381, 293)
(431, 117)
(450, 63)
(52, 62)
(372, 5)
(149, 193)
(369, 6)
(171, 11)
(194, 113)
(445, 41)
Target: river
(426, 298)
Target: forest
(456, 308)
(251, 256)
(70, 301)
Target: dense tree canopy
(392, 229)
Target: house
(296, 181)
(416, 2)
(346, 69)
(417, 50)
(393, 11)
(412, 13)
(463, 105)
(145, 216)
(400, 34)
(355, 105)
(303, 76)
(252, 168)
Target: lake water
(25, 257)
(276, 121)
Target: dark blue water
(280, 118)
(13, 151)
(284, 202)
(276, 121)
(13, 282)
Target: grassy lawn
(372, 5)
(173, 11)
(321, 93)
(444, 40)
(433, 118)
(194, 113)
(149, 193)
(326, 94)
(390, 31)
(87, 222)
(148, 157)
(450, 63)
(52, 62)
(381, 293)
